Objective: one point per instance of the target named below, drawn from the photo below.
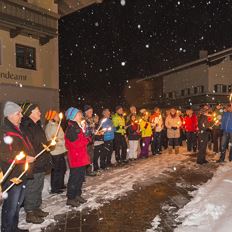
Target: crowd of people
(88, 142)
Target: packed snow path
(165, 174)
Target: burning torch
(18, 157)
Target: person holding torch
(31, 126)
(17, 150)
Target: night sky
(105, 46)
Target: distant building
(29, 69)
(206, 80)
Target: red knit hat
(50, 115)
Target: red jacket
(190, 124)
(76, 144)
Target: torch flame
(103, 120)
(26, 166)
(61, 116)
(231, 97)
(20, 156)
(53, 142)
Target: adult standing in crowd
(173, 124)
(216, 131)
(119, 139)
(157, 127)
(146, 134)
(204, 124)
(12, 142)
(76, 143)
(227, 134)
(133, 134)
(31, 126)
(58, 154)
(108, 126)
(90, 127)
(190, 125)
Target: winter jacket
(190, 124)
(226, 125)
(50, 131)
(145, 128)
(217, 116)
(204, 123)
(173, 125)
(37, 137)
(133, 131)
(90, 127)
(157, 122)
(108, 135)
(119, 124)
(76, 143)
(8, 152)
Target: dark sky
(104, 46)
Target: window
(182, 92)
(25, 57)
(199, 89)
(229, 88)
(220, 88)
(188, 91)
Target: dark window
(229, 88)
(188, 91)
(220, 88)
(25, 57)
(195, 90)
(224, 88)
(182, 92)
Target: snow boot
(32, 218)
(73, 202)
(177, 150)
(170, 150)
(40, 213)
(80, 199)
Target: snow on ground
(155, 223)
(112, 184)
(211, 207)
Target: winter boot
(32, 218)
(40, 213)
(73, 202)
(80, 199)
(177, 150)
(170, 150)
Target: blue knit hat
(71, 113)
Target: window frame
(26, 48)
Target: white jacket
(50, 131)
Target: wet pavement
(163, 195)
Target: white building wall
(220, 74)
(39, 86)
(187, 78)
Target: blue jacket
(108, 135)
(226, 125)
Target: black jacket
(9, 151)
(37, 137)
(132, 131)
(203, 123)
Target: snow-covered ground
(211, 207)
(110, 185)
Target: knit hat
(11, 108)
(50, 115)
(28, 108)
(118, 107)
(87, 107)
(71, 113)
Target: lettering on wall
(13, 76)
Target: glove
(174, 127)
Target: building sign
(12, 76)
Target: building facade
(29, 68)
(206, 80)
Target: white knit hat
(11, 108)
